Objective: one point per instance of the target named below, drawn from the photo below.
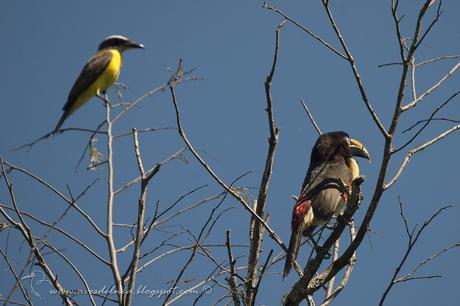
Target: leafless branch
(24, 229)
(255, 229)
(145, 179)
(432, 119)
(409, 276)
(439, 58)
(234, 194)
(431, 89)
(110, 196)
(28, 146)
(413, 238)
(415, 151)
(154, 169)
(59, 194)
(30, 257)
(192, 255)
(261, 275)
(306, 30)
(73, 267)
(310, 116)
(232, 279)
(426, 123)
(18, 281)
(346, 275)
(59, 230)
(354, 69)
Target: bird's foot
(319, 249)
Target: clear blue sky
(230, 43)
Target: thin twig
(110, 196)
(232, 279)
(140, 219)
(234, 194)
(255, 229)
(18, 281)
(261, 275)
(27, 234)
(412, 238)
(59, 194)
(354, 69)
(310, 116)
(176, 155)
(306, 30)
(451, 98)
(432, 119)
(431, 89)
(415, 151)
(439, 58)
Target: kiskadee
(99, 73)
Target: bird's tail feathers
(293, 249)
(61, 121)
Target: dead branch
(255, 229)
(354, 69)
(310, 116)
(232, 279)
(24, 229)
(306, 30)
(415, 151)
(110, 196)
(412, 238)
(18, 280)
(431, 89)
(427, 122)
(234, 194)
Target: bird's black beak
(134, 45)
(358, 149)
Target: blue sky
(45, 44)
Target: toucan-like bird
(331, 161)
(98, 74)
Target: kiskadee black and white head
(120, 43)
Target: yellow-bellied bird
(99, 73)
(331, 159)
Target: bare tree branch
(310, 116)
(59, 194)
(415, 151)
(426, 123)
(145, 178)
(354, 69)
(27, 234)
(18, 281)
(439, 58)
(110, 196)
(232, 279)
(412, 240)
(234, 194)
(431, 89)
(310, 33)
(255, 229)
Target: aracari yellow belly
(102, 83)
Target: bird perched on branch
(325, 188)
(99, 73)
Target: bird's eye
(348, 140)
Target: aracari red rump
(299, 212)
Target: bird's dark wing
(92, 70)
(325, 202)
